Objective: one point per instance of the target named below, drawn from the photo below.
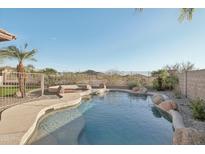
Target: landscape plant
(21, 55)
(164, 80)
(133, 84)
(198, 109)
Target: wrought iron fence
(20, 87)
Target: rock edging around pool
(168, 106)
(163, 103)
(182, 135)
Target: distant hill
(92, 72)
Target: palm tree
(185, 13)
(12, 52)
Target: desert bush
(170, 82)
(132, 84)
(156, 84)
(198, 109)
(177, 94)
(177, 91)
(164, 81)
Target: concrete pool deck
(18, 122)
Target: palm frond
(25, 45)
(186, 14)
(8, 53)
(30, 55)
(139, 9)
(12, 52)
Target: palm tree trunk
(21, 79)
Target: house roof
(7, 67)
(6, 36)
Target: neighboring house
(6, 36)
(7, 69)
(4, 72)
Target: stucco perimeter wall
(192, 84)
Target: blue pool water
(116, 118)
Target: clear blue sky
(103, 39)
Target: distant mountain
(92, 72)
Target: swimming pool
(118, 118)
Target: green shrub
(164, 81)
(133, 84)
(177, 94)
(156, 84)
(170, 82)
(198, 109)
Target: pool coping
(42, 113)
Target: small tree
(180, 67)
(30, 68)
(50, 75)
(164, 80)
(12, 52)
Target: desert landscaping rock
(139, 90)
(168, 105)
(88, 87)
(188, 136)
(136, 89)
(18, 94)
(142, 90)
(157, 99)
(102, 86)
(185, 110)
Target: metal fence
(20, 87)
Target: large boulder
(136, 89)
(140, 90)
(60, 90)
(102, 85)
(168, 105)
(157, 99)
(84, 87)
(143, 90)
(88, 87)
(18, 94)
(188, 136)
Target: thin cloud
(53, 38)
